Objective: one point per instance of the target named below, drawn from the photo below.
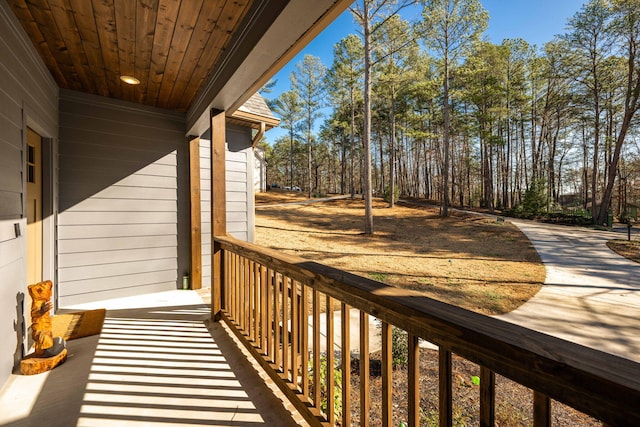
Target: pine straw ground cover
(466, 260)
(626, 248)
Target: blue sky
(536, 21)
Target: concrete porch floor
(159, 361)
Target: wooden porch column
(218, 207)
(196, 227)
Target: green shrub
(399, 347)
(380, 277)
(534, 203)
(535, 199)
(396, 195)
(337, 389)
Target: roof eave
(256, 119)
(259, 51)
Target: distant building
(259, 170)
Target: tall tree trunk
(352, 185)
(309, 175)
(392, 148)
(291, 158)
(585, 168)
(631, 106)
(366, 137)
(343, 166)
(525, 169)
(445, 168)
(596, 154)
(490, 175)
(534, 163)
(381, 176)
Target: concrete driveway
(591, 295)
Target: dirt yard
(465, 260)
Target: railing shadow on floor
(155, 366)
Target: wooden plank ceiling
(171, 46)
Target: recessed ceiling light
(130, 80)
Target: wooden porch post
(196, 227)
(218, 207)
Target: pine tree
(307, 81)
(370, 14)
(450, 27)
(288, 107)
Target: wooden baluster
(229, 256)
(233, 288)
(236, 291)
(387, 375)
(264, 304)
(272, 323)
(541, 410)
(295, 324)
(331, 416)
(271, 320)
(240, 285)
(487, 397)
(285, 326)
(241, 299)
(227, 282)
(237, 283)
(413, 373)
(316, 348)
(228, 259)
(247, 297)
(256, 304)
(445, 388)
(251, 287)
(224, 281)
(246, 280)
(364, 369)
(277, 320)
(304, 346)
(346, 364)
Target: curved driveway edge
(591, 295)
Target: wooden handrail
(602, 385)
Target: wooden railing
(286, 310)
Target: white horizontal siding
(124, 204)
(115, 244)
(237, 196)
(110, 218)
(79, 259)
(133, 289)
(238, 217)
(137, 193)
(110, 270)
(237, 177)
(134, 180)
(235, 208)
(73, 232)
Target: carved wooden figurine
(48, 352)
